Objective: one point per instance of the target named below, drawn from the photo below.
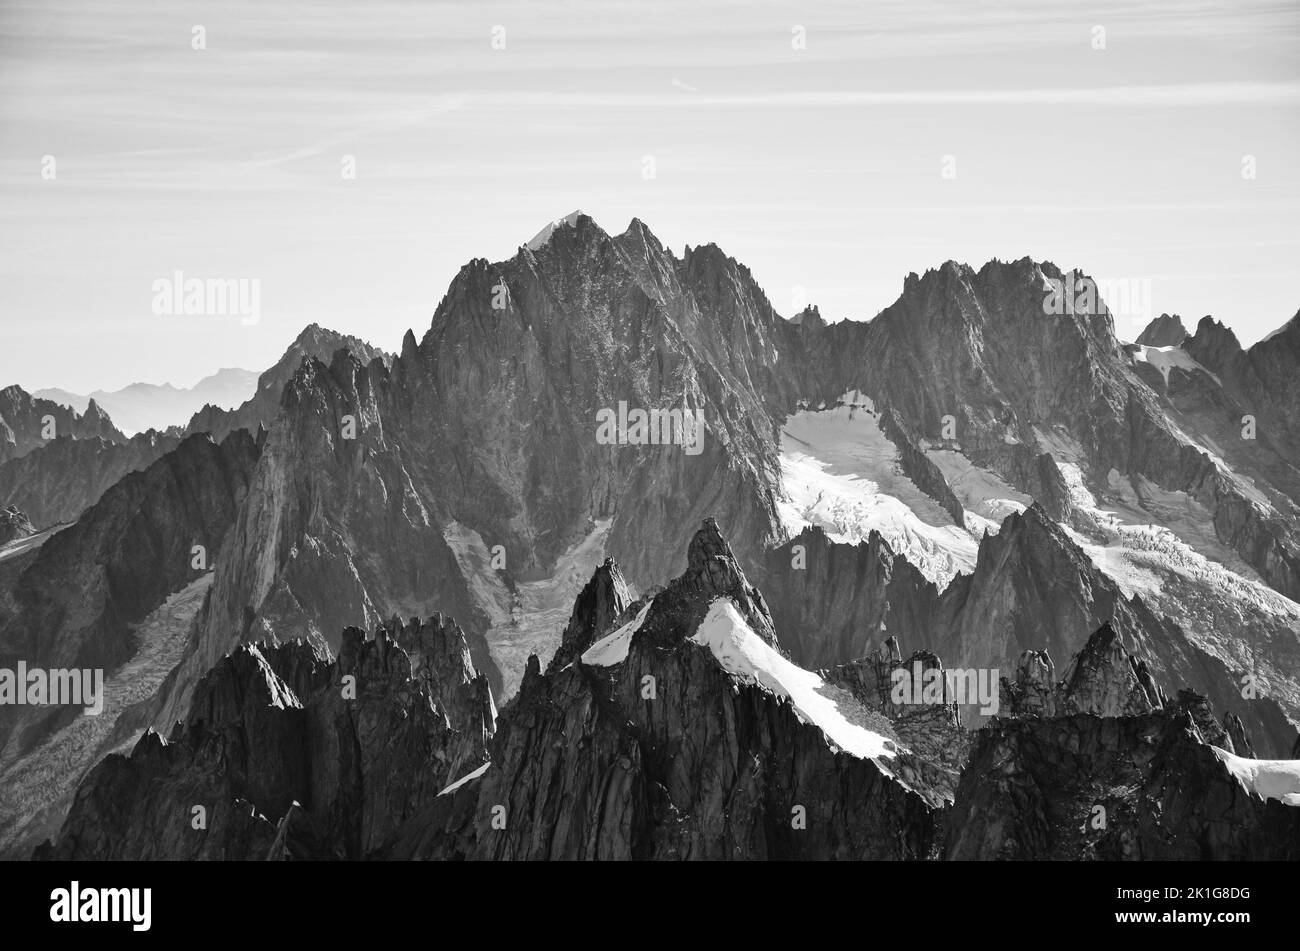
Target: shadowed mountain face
(677, 730)
(110, 594)
(1102, 765)
(294, 756)
(1164, 331)
(978, 472)
(464, 473)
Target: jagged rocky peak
(913, 694)
(682, 733)
(253, 677)
(809, 317)
(1167, 330)
(14, 525)
(1033, 692)
(1106, 679)
(321, 342)
(440, 659)
(712, 572)
(604, 600)
(1103, 679)
(1214, 344)
(1103, 766)
(543, 237)
(292, 754)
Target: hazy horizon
(830, 148)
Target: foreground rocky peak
(1104, 765)
(291, 755)
(605, 598)
(1103, 679)
(681, 733)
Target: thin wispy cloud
(805, 163)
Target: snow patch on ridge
(465, 779)
(1266, 778)
(1166, 358)
(20, 545)
(744, 654)
(613, 649)
(542, 237)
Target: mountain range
(443, 611)
(142, 406)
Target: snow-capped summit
(543, 236)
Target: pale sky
(820, 168)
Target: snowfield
(986, 498)
(1166, 358)
(840, 472)
(744, 654)
(543, 236)
(20, 545)
(613, 649)
(1267, 778)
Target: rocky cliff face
(58, 481)
(285, 754)
(680, 735)
(1101, 765)
(79, 601)
(259, 411)
(677, 729)
(976, 473)
(832, 602)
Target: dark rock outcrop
(1102, 765)
(14, 525)
(1083, 787)
(291, 756)
(605, 598)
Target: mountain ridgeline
(970, 476)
